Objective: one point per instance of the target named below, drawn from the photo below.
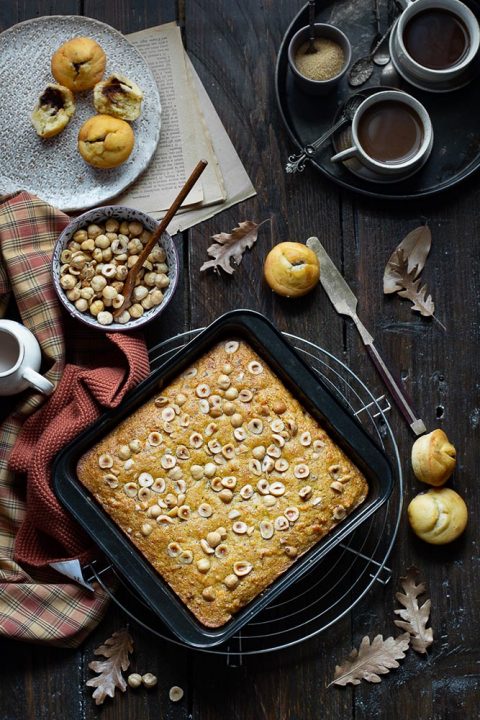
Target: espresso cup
(20, 359)
(434, 42)
(391, 134)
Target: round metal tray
(335, 586)
(456, 149)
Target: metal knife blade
(345, 303)
(335, 285)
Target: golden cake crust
(222, 481)
(79, 64)
(105, 141)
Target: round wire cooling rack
(336, 584)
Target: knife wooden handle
(416, 424)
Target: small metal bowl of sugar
(319, 72)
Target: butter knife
(345, 303)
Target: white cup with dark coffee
(434, 43)
(391, 133)
(20, 359)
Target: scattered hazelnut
(175, 693)
(134, 680)
(149, 680)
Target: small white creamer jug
(20, 359)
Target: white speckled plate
(53, 169)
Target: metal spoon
(389, 77)
(311, 23)
(362, 69)
(296, 163)
(378, 34)
(379, 46)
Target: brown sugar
(322, 65)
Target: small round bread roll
(53, 110)
(433, 458)
(105, 141)
(291, 269)
(438, 516)
(79, 64)
(118, 96)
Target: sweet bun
(291, 269)
(53, 110)
(433, 458)
(118, 96)
(438, 516)
(105, 141)
(79, 64)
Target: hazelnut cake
(222, 481)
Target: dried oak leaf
(415, 246)
(414, 618)
(371, 660)
(116, 649)
(231, 246)
(411, 288)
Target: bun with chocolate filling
(53, 110)
(291, 269)
(118, 96)
(105, 141)
(79, 64)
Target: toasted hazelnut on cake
(118, 96)
(79, 64)
(53, 110)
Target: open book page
(212, 179)
(176, 154)
(238, 185)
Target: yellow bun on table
(53, 110)
(433, 458)
(79, 64)
(118, 96)
(291, 269)
(105, 141)
(438, 516)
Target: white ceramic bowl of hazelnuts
(91, 260)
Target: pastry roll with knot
(438, 516)
(433, 458)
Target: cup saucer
(343, 140)
(442, 87)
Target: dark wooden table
(233, 45)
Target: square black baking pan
(315, 397)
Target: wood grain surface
(233, 45)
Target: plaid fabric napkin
(36, 603)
